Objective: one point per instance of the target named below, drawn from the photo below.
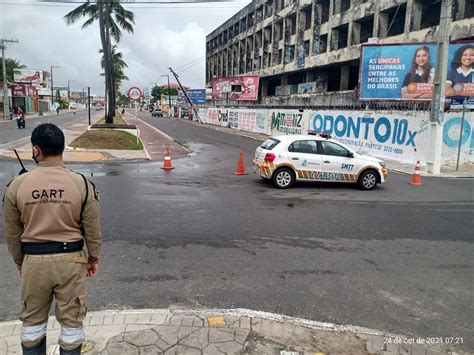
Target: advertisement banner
(240, 88)
(203, 115)
(392, 135)
(451, 135)
(233, 119)
(261, 122)
(197, 96)
(247, 120)
(19, 90)
(406, 71)
(287, 122)
(28, 76)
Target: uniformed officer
(49, 213)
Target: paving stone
(198, 339)
(162, 345)
(175, 320)
(212, 349)
(141, 338)
(102, 336)
(109, 319)
(183, 332)
(131, 318)
(216, 321)
(188, 321)
(15, 350)
(7, 330)
(159, 318)
(11, 340)
(256, 324)
(216, 335)
(150, 350)
(232, 321)
(86, 320)
(375, 343)
(273, 329)
(230, 347)
(144, 318)
(119, 318)
(3, 346)
(181, 349)
(17, 329)
(97, 319)
(169, 334)
(241, 335)
(137, 327)
(117, 338)
(244, 322)
(198, 322)
(121, 348)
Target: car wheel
(368, 180)
(283, 178)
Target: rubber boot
(39, 349)
(75, 351)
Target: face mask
(34, 158)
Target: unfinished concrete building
(292, 42)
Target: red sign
(134, 93)
(19, 90)
(240, 88)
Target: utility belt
(51, 247)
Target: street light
(52, 84)
(169, 93)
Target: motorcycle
(20, 120)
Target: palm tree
(11, 65)
(118, 65)
(112, 18)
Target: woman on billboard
(421, 72)
(462, 72)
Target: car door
(305, 159)
(338, 164)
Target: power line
(167, 5)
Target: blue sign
(406, 72)
(197, 97)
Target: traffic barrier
(416, 178)
(167, 165)
(240, 166)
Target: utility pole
(52, 84)
(6, 102)
(439, 91)
(69, 90)
(169, 94)
(89, 103)
(185, 94)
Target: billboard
(197, 96)
(28, 76)
(240, 88)
(406, 71)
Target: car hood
(369, 158)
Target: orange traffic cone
(167, 165)
(240, 166)
(416, 178)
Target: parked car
(157, 113)
(286, 159)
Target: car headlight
(382, 164)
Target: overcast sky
(165, 35)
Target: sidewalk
(234, 331)
(155, 143)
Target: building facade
(313, 46)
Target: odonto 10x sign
(134, 93)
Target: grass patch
(107, 139)
(117, 119)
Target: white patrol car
(284, 159)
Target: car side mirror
(350, 155)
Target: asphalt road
(397, 259)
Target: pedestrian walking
(49, 213)
(57, 111)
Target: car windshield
(270, 143)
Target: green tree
(118, 65)
(11, 65)
(112, 18)
(157, 91)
